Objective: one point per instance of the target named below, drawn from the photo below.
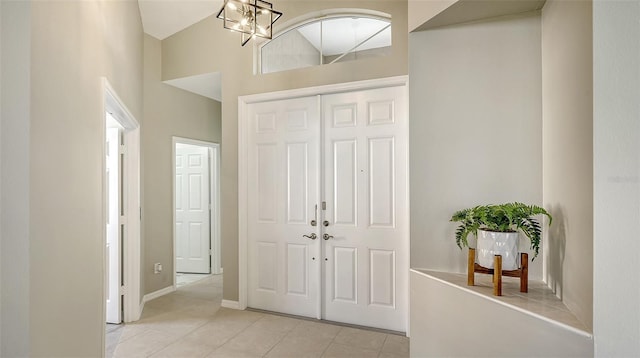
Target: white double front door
(327, 233)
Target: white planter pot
(491, 243)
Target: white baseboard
(149, 296)
(230, 304)
(141, 309)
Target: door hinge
(121, 149)
(123, 290)
(141, 213)
(324, 205)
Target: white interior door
(355, 161)
(192, 209)
(113, 190)
(283, 190)
(365, 188)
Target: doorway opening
(196, 210)
(121, 218)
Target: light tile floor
(191, 323)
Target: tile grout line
(237, 334)
(163, 347)
(332, 342)
(386, 336)
(155, 351)
(179, 337)
(281, 339)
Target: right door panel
(365, 189)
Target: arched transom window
(335, 38)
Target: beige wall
(15, 32)
(73, 44)
(616, 127)
(475, 130)
(168, 111)
(207, 47)
(567, 68)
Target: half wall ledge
(449, 318)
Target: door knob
(312, 236)
(325, 223)
(327, 236)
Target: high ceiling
(163, 18)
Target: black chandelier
(252, 18)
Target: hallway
(190, 323)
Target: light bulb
(244, 21)
(232, 6)
(265, 11)
(262, 30)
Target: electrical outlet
(157, 267)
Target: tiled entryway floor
(191, 323)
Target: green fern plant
(509, 217)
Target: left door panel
(283, 245)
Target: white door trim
(131, 247)
(214, 192)
(243, 127)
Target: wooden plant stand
(497, 272)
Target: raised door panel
(267, 271)
(196, 251)
(381, 182)
(297, 183)
(196, 201)
(267, 182)
(297, 269)
(345, 185)
(345, 274)
(382, 273)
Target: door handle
(312, 236)
(327, 236)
